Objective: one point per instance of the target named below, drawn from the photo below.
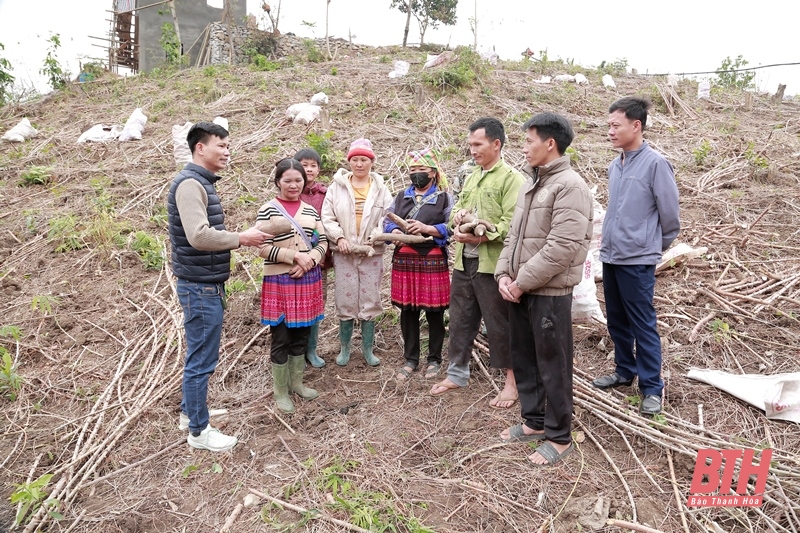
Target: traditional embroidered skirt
(298, 302)
(420, 281)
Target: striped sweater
(279, 252)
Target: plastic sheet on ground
(307, 115)
(704, 89)
(134, 127)
(436, 60)
(180, 147)
(221, 121)
(608, 81)
(307, 112)
(400, 69)
(777, 395)
(679, 254)
(585, 306)
(295, 109)
(580, 79)
(564, 77)
(101, 133)
(319, 99)
(21, 132)
(543, 80)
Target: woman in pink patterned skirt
(420, 274)
(291, 291)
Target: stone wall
(291, 45)
(219, 44)
(287, 44)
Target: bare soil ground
(100, 348)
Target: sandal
(433, 369)
(494, 403)
(550, 454)
(405, 371)
(446, 386)
(517, 434)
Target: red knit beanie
(361, 147)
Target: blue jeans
(628, 290)
(202, 321)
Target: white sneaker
(211, 439)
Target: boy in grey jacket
(642, 220)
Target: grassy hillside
(92, 327)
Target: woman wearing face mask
(420, 275)
(291, 291)
(354, 207)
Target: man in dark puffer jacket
(201, 261)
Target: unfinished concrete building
(137, 27)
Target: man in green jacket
(489, 193)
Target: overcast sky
(680, 36)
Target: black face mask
(420, 180)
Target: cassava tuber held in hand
(362, 249)
(399, 237)
(471, 224)
(275, 226)
(401, 223)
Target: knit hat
(427, 158)
(361, 147)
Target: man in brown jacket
(541, 262)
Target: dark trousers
(474, 295)
(541, 350)
(629, 290)
(288, 341)
(409, 326)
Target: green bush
(312, 52)
(149, 249)
(615, 68)
(35, 175)
(331, 159)
(260, 43)
(6, 79)
(51, 66)
(701, 152)
(64, 232)
(31, 496)
(466, 67)
(170, 44)
(260, 63)
(10, 380)
(738, 80)
(92, 71)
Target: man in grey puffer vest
(201, 262)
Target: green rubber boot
(297, 365)
(346, 338)
(311, 350)
(367, 340)
(280, 387)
